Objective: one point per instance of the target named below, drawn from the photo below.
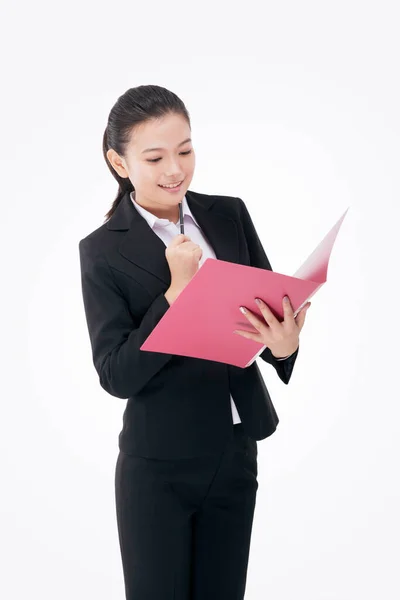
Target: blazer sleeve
(258, 258)
(115, 335)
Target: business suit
(178, 412)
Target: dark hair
(136, 106)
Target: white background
(295, 109)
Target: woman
(186, 473)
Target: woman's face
(148, 169)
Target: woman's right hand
(183, 258)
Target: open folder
(201, 321)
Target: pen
(181, 218)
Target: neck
(172, 214)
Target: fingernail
(286, 299)
(258, 301)
(243, 310)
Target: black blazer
(178, 407)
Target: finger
(299, 320)
(302, 316)
(250, 336)
(288, 313)
(267, 313)
(254, 320)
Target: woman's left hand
(281, 338)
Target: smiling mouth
(171, 185)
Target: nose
(173, 169)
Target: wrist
(280, 357)
(171, 294)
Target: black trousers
(185, 525)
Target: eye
(154, 160)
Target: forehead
(168, 131)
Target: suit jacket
(178, 407)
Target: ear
(117, 162)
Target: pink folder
(201, 321)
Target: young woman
(186, 473)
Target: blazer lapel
(142, 246)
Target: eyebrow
(152, 149)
